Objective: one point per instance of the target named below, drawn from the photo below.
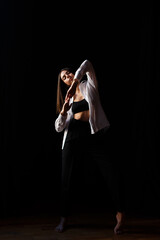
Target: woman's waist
(82, 116)
(78, 123)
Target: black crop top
(80, 106)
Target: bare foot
(61, 226)
(120, 223)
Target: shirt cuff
(62, 118)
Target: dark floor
(82, 226)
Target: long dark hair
(61, 91)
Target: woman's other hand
(71, 91)
(66, 107)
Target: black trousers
(94, 148)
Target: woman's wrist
(73, 86)
(63, 113)
(75, 82)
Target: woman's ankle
(120, 216)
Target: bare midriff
(82, 116)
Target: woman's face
(67, 77)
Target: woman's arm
(71, 91)
(85, 68)
(60, 122)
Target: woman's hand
(66, 107)
(71, 91)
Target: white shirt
(89, 89)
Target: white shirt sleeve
(60, 123)
(86, 68)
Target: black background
(37, 40)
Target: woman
(84, 122)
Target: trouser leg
(113, 181)
(68, 162)
(109, 169)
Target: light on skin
(67, 77)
